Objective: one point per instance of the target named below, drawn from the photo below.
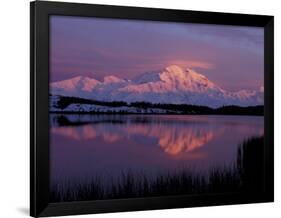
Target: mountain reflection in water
(87, 145)
(171, 139)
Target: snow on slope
(102, 109)
(170, 85)
(77, 86)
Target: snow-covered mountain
(170, 85)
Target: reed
(245, 175)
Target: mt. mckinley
(172, 85)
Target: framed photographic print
(140, 108)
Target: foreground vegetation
(245, 175)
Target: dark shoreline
(147, 108)
(121, 113)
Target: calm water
(84, 146)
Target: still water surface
(86, 146)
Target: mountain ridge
(169, 85)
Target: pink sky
(230, 56)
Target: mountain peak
(79, 78)
(112, 79)
(174, 69)
(183, 73)
(172, 84)
(78, 82)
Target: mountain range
(172, 85)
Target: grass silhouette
(245, 175)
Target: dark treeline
(62, 120)
(65, 101)
(245, 175)
(258, 110)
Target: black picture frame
(39, 107)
